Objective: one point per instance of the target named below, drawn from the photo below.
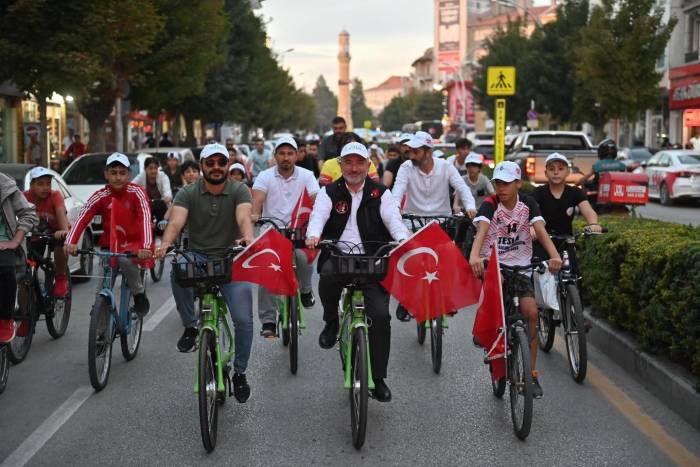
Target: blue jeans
(239, 299)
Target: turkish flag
(429, 276)
(489, 323)
(267, 262)
(300, 220)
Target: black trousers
(8, 279)
(376, 309)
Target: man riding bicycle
(217, 213)
(356, 210)
(139, 234)
(276, 192)
(426, 182)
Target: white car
(478, 138)
(83, 264)
(161, 153)
(673, 174)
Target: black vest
(369, 219)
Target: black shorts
(518, 285)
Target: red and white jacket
(134, 205)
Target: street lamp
(513, 4)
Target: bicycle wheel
(520, 377)
(132, 339)
(283, 307)
(26, 307)
(293, 334)
(420, 329)
(546, 330)
(575, 334)
(157, 270)
(358, 389)
(57, 323)
(436, 332)
(100, 339)
(206, 376)
(4, 368)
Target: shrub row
(644, 277)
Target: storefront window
(693, 39)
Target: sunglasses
(220, 161)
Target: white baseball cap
(286, 140)
(237, 166)
(556, 157)
(38, 172)
(506, 171)
(403, 137)
(213, 149)
(420, 139)
(354, 148)
(173, 155)
(120, 158)
(473, 158)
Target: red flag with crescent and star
(429, 276)
(267, 261)
(300, 220)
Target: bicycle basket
(210, 271)
(353, 267)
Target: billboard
(448, 35)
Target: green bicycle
(215, 340)
(356, 271)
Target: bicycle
(356, 271)
(111, 316)
(290, 316)
(35, 297)
(4, 367)
(436, 326)
(158, 227)
(216, 347)
(570, 312)
(518, 371)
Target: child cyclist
(53, 220)
(505, 219)
(477, 182)
(137, 226)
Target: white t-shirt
(283, 194)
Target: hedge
(644, 277)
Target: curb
(667, 381)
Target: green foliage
(360, 111)
(414, 106)
(429, 106)
(642, 277)
(326, 104)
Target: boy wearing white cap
(478, 183)
(505, 219)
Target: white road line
(46, 430)
(158, 316)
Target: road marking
(46, 430)
(635, 414)
(159, 315)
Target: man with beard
(331, 144)
(276, 192)
(312, 154)
(355, 210)
(216, 211)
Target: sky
(386, 36)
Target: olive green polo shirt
(211, 219)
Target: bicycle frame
(120, 317)
(213, 310)
(353, 305)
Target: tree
(616, 59)
(414, 106)
(360, 111)
(326, 104)
(429, 106)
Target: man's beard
(215, 181)
(415, 162)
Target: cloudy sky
(385, 36)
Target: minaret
(344, 109)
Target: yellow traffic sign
(500, 135)
(500, 81)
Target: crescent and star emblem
(401, 265)
(274, 266)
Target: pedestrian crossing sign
(500, 81)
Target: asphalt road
(147, 415)
(684, 212)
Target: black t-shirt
(559, 213)
(174, 178)
(309, 163)
(392, 166)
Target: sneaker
(402, 314)
(381, 391)
(269, 330)
(188, 340)
(329, 335)
(308, 300)
(536, 388)
(60, 286)
(141, 305)
(241, 389)
(22, 328)
(7, 330)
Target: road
(681, 213)
(147, 415)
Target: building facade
(380, 96)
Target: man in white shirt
(356, 210)
(276, 192)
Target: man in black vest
(356, 210)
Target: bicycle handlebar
(110, 254)
(585, 233)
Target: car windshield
(483, 136)
(89, 170)
(484, 150)
(689, 159)
(640, 154)
(557, 142)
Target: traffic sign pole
(500, 81)
(500, 136)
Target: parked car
(633, 157)
(162, 153)
(478, 138)
(486, 150)
(673, 174)
(530, 149)
(83, 264)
